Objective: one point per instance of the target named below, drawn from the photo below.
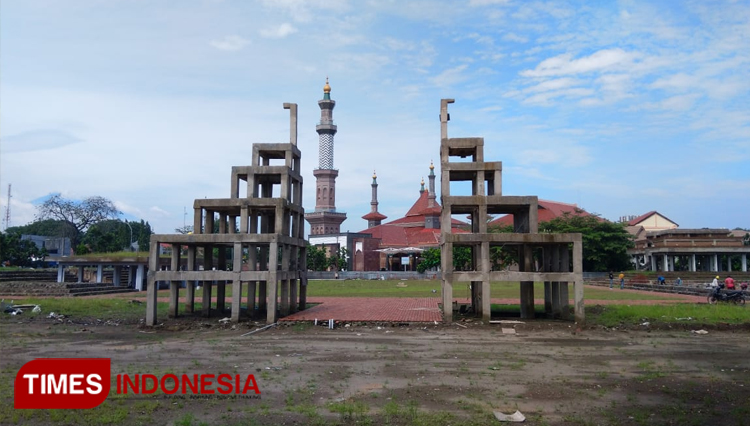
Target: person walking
(611, 279)
(622, 280)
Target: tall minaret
(431, 194)
(374, 218)
(325, 219)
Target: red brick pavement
(385, 309)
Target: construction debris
(516, 417)
(260, 329)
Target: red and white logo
(62, 383)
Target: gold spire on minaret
(327, 87)
(432, 167)
(374, 176)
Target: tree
(605, 243)
(338, 259)
(316, 258)
(114, 235)
(46, 228)
(430, 259)
(79, 215)
(18, 252)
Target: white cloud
(279, 31)
(602, 60)
(450, 76)
(230, 43)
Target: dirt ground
(402, 375)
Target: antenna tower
(6, 219)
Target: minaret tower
(325, 219)
(431, 194)
(374, 218)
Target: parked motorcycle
(717, 295)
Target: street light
(130, 247)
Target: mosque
(391, 246)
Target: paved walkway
(386, 309)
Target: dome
(327, 87)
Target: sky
(619, 107)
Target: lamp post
(130, 247)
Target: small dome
(327, 87)
(374, 176)
(431, 166)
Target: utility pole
(6, 219)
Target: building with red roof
(547, 211)
(401, 240)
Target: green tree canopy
(605, 243)
(114, 235)
(18, 252)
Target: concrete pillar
(174, 286)
(446, 254)
(579, 312)
(139, 272)
(61, 272)
(564, 301)
(293, 302)
(151, 301)
(221, 285)
(236, 298)
(548, 298)
(251, 299)
(206, 299)
(116, 276)
(81, 268)
(693, 264)
(236, 283)
(729, 263)
(174, 298)
(272, 284)
(653, 262)
(715, 263)
(284, 308)
(670, 263)
(190, 286)
(665, 263)
(303, 279)
(99, 273)
(556, 309)
(484, 266)
(527, 287)
(744, 262)
(221, 294)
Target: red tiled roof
(374, 216)
(548, 210)
(641, 218)
(409, 231)
(645, 216)
(419, 205)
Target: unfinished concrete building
(554, 259)
(255, 239)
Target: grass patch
(681, 313)
(109, 308)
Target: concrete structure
(561, 254)
(266, 250)
(325, 219)
(690, 250)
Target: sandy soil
(438, 374)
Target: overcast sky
(620, 107)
